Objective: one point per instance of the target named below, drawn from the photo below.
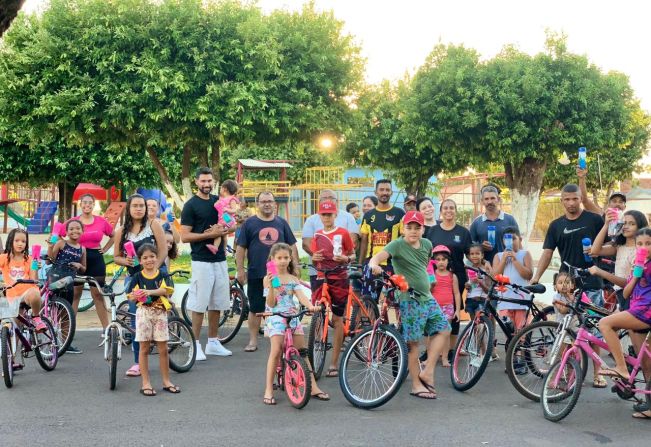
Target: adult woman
(153, 214)
(426, 207)
(368, 203)
(139, 230)
(457, 239)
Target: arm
(213, 232)
(307, 245)
(305, 301)
(499, 264)
(374, 263)
(598, 248)
(588, 204)
(53, 250)
(118, 255)
(307, 233)
(240, 254)
(525, 270)
(621, 282)
(363, 246)
(543, 263)
(161, 244)
(297, 261)
(628, 290)
(109, 243)
(271, 291)
(457, 295)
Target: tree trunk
(214, 161)
(525, 182)
(176, 198)
(203, 156)
(66, 191)
(185, 172)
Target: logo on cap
(413, 216)
(327, 208)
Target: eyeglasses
(87, 202)
(328, 198)
(266, 202)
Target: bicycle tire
(296, 378)
(86, 301)
(184, 308)
(571, 396)
(181, 346)
(358, 320)
(466, 348)
(370, 351)
(544, 313)
(7, 357)
(63, 321)
(316, 347)
(49, 357)
(648, 394)
(123, 315)
(113, 341)
(231, 320)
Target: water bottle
(641, 255)
(430, 271)
(273, 271)
(170, 213)
(36, 255)
(336, 243)
(614, 225)
(491, 235)
(587, 243)
(508, 242)
(582, 161)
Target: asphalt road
(221, 404)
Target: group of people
(430, 251)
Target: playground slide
(17, 217)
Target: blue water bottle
(587, 243)
(491, 234)
(582, 161)
(508, 242)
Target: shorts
(420, 319)
(95, 266)
(448, 310)
(517, 316)
(338, 291)
(276, 325)
(151, 324)
(209, 287)
(473, 305)
(255, 293)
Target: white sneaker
(214, 347)
(200, 355)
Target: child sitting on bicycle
(332, 247)
(420, 313)
(281, 299)
(16, 264)
(446, 293)
(149, 288)
(477, 287)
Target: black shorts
(255, 293)
(95, 266)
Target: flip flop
(250, 348)
(332, 372)
(134, 371)
(172, 389)
(269, 400)
(429, 387)
(608, 372)
(321, 396)
(642, 415)
(424, 395)
(148, 392)
(599, 382)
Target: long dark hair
(640, 221)
(173, 252)
(280, 246)
(9, 245)
(128, 220)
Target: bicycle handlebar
(531, 289)
(284, 314)
(5, 287)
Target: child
(150, 289)
(16, 264)
(227, 206)
(332, 247)
(281, 299)
(446, 292)
(410, 256)
(477, 287)
(172, 249)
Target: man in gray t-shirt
(313, 224)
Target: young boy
(333, 247)
(410, 256)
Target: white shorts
(209, 287)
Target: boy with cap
(420, 314)
(333, 248)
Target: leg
(338, 342)
(299, 343)
(197, 322)
(254, 325)
(100, 307)
(435, 347)
(33, 298)
(144, 364)
(76, 297)
(272, 363)
(255, 292)
(135, 344)
(213, 323)
(164, 362)
(638, 339)
(608, 326)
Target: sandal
(609, 372)
(134, 371)
(599, 382)
(172, 389)
(429, 387)
(250, 348)
(149, 392)
(332, 372)
(269, 400)
(321, 396)
(642, 415)
(424, 395)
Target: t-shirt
(566, 235)
(381, 227)
(313, 223)
(257, 236)
(458, 241)
(200, 214)
(412, 264)
(93, 232)
(13, 270)
(479, 231)
(324, 241)
(141, 281)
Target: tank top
(443, 289)
(66, 255)
(146, 236)
(624, 261)
(514, 276)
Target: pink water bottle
(430, 271)
(36, 255)
(56, 232)
(472, 278)
(130, 250)
(640, 259)
(273, 271)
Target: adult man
(209, 287)
(313, 224)
(257, 235)
(616, 199)
(493, 216)
(410, 203)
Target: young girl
(281, 299)
(446, 292)
(150, 288)
(477, 287)
(16, 264)
(172, 249)
(227, 206)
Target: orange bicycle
(360, 313)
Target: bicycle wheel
(298, 385)
(561, 389)
(45, 347)
(648, 394)
(181, 345)
(373, 367)
(7, 357)
(86, 301)
(316, 345)
(112, 357)
(123, 315)
(359, 320)
(59, 312)
(232, 319)
(184, 308)
(472, 353)
(545, 313)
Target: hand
(76, 265)
(376, 269)
(594, 270)
(456, 315)
(581, 173)
(341, 259)
(314, 308)
(129, 262)
(509, 255)
(468, 286)
(611, 217)
(215, 231)
(317, 256)
(266, 282)
(241, 276)
(487, 246)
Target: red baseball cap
(327, 207)
(414, 216)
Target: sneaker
(494, 357)
(641, 407)
(200, 355)
(73, 350)
(102, 340)
(39, 325)
(214, 347)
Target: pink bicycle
(292, 372)
(562, 384)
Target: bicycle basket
(9, 309)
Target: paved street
(221, 404)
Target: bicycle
(359, 313)
(86, 300)
(18, 336)
(292, 373)
(374, 364)
(562, 384)
(476, 342)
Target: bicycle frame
(288, 350)
(326, 301)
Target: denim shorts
(473, 305)
(420, 319)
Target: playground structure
(251, 188)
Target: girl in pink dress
(227, 206)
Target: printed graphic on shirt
(381, 227)
(268, 236)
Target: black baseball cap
(617, 194)
(410, 198)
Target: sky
(397, 35)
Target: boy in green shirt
(421, 314)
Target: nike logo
(566, 231)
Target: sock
(213, 339)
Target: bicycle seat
(355, 275)
(535, 288)
(61, 283)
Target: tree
(8, 12)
